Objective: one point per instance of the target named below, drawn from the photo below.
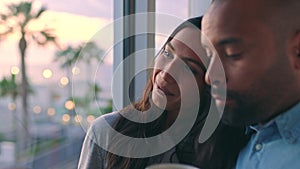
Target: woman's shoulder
(101, 128)
(106, 119)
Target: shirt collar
(256, 128)
(287, 124)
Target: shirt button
(258, 147)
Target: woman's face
(177, 68)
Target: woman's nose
(170, 72)
(167, 77)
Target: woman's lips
(165, 90)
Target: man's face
(257, 71)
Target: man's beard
(242, 112)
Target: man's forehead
(241, 7)
(230, 16)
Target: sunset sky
(74, 21)
(71, 27)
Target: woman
(172, 94)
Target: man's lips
(218, 97)
(223, 100)
(223, 96)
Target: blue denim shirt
(275, 145)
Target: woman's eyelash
(167, 54)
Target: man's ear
(296, 51)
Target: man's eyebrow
(228, 41)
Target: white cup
(171, 166)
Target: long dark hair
(214, 153)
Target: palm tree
(18, 18)
(9, 88)
(86, 53)
(5, 29)
(90, 51)
(67, 58)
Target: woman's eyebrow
(187, 59)
(170, 45)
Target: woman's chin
(159, 100)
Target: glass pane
(52, 135)
(173, 13)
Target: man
(257, 45)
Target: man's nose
(215, 74)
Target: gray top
(93, 156)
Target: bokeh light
(75, 70)
(14, 70)
(51, 111)
(64, 81)
(37, 109)
(65, 118)
(69, 105)
(12, 106)
(90, 118)
(47, 73)
(77, 118)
